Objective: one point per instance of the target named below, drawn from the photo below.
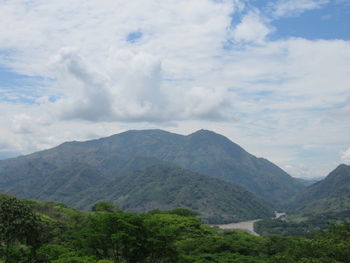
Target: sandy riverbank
(247, 226)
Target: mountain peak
(329, 194)
(146, 131)
(343, 165)
(209, 135)
(143, 132)
(342, 171)
(204, 132)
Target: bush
(75, 259)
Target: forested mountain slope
(331, 194)
(168, 187)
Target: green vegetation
(331, 195)
(312, 210)
(296, 225)
(40, 232)
(168, 187)
(104, 206)
(18, 223)
(268, 227)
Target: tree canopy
(49, 232)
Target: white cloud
(171, 29)
(128, 86)
(206, 103)
(295, 7)
(105, 78)
(252, 28)
(299, 171)
(345, 156)
(88, 98)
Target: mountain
(165, 187)
(331, 194)
(306, 181)
(107, 158)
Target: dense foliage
(18, 223)
(165, 187)
(301, 225)
(51, 232)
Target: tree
(182, 212)
(104, 206)
(18, 223)
(118, 236)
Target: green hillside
(167, 187)
(331, 194)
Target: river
(248, 226)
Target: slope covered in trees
(165, 187)
(65, 235)
(330, 195)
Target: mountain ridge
(203, 151)
(332, 194)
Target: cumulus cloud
(206, 103)
(170, 29)
(22, 123)
(252, 28)
(125, 86)
(345, 156)
(135, 82)
(105, 77)
(86, 95)
(128, 86)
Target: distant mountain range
(112, 168)
(307, 181)
(331, 194)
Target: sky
(272, 76)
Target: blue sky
(331, 21)
(273, 76)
